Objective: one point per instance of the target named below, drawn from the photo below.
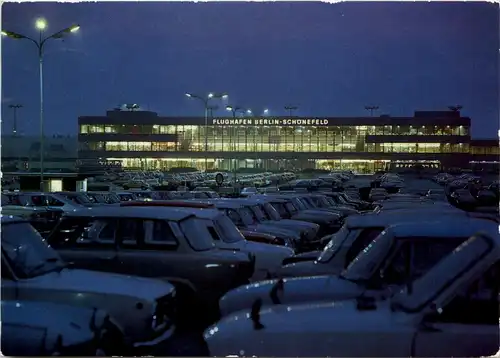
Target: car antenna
(255, 314)
(278, 286)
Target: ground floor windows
(361, 166)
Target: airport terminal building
(145, 140)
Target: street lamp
(41, 26)
(206, 104)
(266, 111)
(290, 109)
(14, 108)
(371, 109)
(234, 110)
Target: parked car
(31, 328)
(357, 233)
(451, 311)
(399, 254)
(245, 219)
(291, 207)
(226, 236)
(33, 271)
(158, 242)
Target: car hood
(275, 230)
(318, 214)
(295, 290)
(280, 251)
(236, 332)
(103, 283)
(305, 268)
(73, 323)
(47, 314)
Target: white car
(34, 271)
(452, 311)
(356, 233)
(268, 258)
(401, 253)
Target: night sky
(329, 59)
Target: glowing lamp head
(41, 24)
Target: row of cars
(178, 259)
(416, 277)
(190, 262)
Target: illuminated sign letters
(269, 122)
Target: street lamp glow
(189, 95)
(224, 96)
(266, 111)
(4, 33)
(74, 28)
(41, 24)
(229, 108)
(249, 111)
(210, 95)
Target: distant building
(144, 140)
(23, 153)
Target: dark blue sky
(329, 59)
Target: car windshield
(333, 246)
(444, 272)
(27, 252)
(79, 199)
(270, 212)
(248, 216)
(229, 231)
(197, 234)
(364, 265)
(291, 208)
(259, 214)
(280, 208)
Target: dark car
(157, 242)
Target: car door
(149, 248)
(88, 244)
(468, 326)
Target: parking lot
(189, 265)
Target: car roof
(201, 212)
(385, 218)
(445, 227)
(224, 203)
(142, 212)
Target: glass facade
(307, 139)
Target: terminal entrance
(356, 165)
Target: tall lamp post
(371, 109)
(41, 26)
(290, 109)
(14, 108)
(206, 104)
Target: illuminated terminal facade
(144, 140)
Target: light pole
(371, 109)
(15, 107)
(41, 26)
(206, 105)
(290, 109)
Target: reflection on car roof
(446, 227)
(142, 212)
